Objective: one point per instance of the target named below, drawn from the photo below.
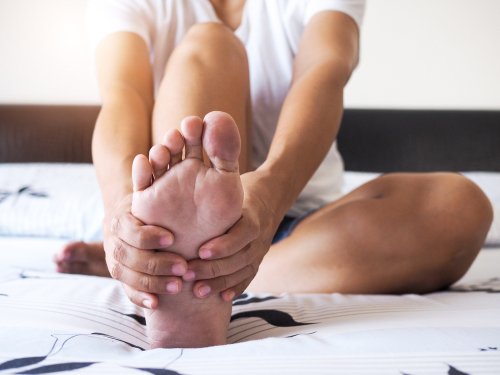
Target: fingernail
(179, 269)
(172, 287)
(166, 241)
(147, 303)
(204, 291)
(189, 275)
(205, 253)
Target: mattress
(55, 323)
(82, 324)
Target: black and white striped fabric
(52, 323)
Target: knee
(463, 216)
(211, 42)
(464, 205)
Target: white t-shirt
(269, 29)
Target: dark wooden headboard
(420, 140)
(38, 133)
(369, 140)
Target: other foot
(82, 258)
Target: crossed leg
(399, 233)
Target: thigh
(398, 233)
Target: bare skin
(384, 205)
(399, 233)
(86, 258)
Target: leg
(208, 71)
(400, 233)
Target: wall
(415, 54)
(429, 54)
(45, 57)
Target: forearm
(122, 131)
(311, 114)
(307, 127)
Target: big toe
(221, 141)
(70, 252)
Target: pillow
(63, 200)
(50, 200)
(489, 182)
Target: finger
(240, 235)
(231, 293)
(200, 269)
(154, 263)
(159, 263)
(141, 299)
(136, 234)
(143, 282)
(204, 288)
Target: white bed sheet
(63, 200)
(80, 324)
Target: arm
(122, 131)
(308, 125)
(311, 114)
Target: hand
(131, 258)
(229, 262)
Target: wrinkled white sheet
(82, 324)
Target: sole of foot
(196, 202)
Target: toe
(142, 173)
(159, 157)
(175, 143)
(68, 252)
(221, 141)
(192, 128)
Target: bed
(54, 323)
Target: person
(238, 104)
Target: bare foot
(82, 258)
(196, 203)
